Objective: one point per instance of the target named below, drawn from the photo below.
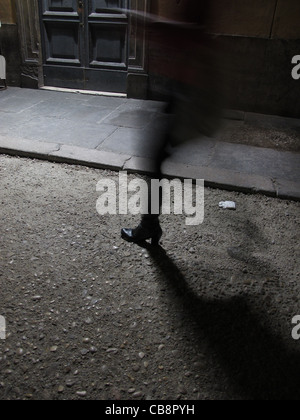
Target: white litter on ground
(231, 205)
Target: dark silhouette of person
(188, 70)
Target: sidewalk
(113, 132)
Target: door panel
(107, 34)
(62, 43)
(60, 5)
(85, 43)
(107, 46)
(98, 6)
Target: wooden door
(85, 44)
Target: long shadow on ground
(257, 363)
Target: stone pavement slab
(27, 148)
(89, 157)
(120, 133)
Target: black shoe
(142, 233)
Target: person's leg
(149, 228)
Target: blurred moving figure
(190, 76)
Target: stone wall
(257, 18)
(9, 42)
(259, 38)
(20, 42)
(255, 41)
(7, 12)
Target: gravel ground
(207, 316)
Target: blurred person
(188, 69)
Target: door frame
(32, 62)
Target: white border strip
(85, 92)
